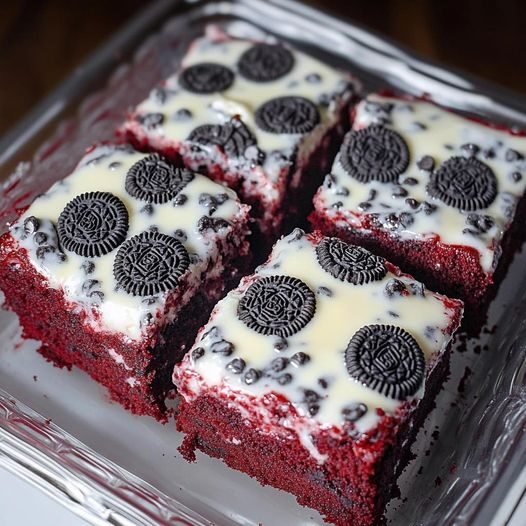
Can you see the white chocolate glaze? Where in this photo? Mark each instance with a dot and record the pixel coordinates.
(242, 99)
(104, 169)
(339, 314)
(430, 131)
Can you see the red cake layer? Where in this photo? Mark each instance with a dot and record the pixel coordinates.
(451, 269)
(351, 487)
(67, 339)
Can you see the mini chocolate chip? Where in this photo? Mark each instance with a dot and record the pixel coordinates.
(406, 219)
(470, 149)
(516, 176)
(281, 344)
(411, 181)
(313, 78)
(337, 204)
(182, 115)
(180, 200)
(413, 203)
(372, 194)
(158, 95)
(428, 208)
(147, 209)
(313, 409)
(429, 332)
(513, 155)
(180, 235)
(89, 284)
(343, 190)
(221, 198)
(311, 396)
(149, 301)
(395, 287)
(197, 353)
(299, 358)
(252, 376)
(323, 383)
(114, 165)
(151, 120)
(97, 295)
(489, 153)
(364, 206)
(284, 379)
(278, 364)
(223, 347)
(393, 314)
(354, 411)
(236, 366)
(296, 234)
(213, 332)
(209, 223)
(324, 291)
(417, 289)
(88, 266)
(40, 238)
(31, 225)
(449, 147)
(419, 126)
(329, 181)
(399, 191)
(426, 163)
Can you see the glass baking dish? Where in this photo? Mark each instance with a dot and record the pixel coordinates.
(59, 430)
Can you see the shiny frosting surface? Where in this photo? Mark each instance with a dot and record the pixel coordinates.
(89, 282)
(308, 368)
(405, 206)
(178, 112)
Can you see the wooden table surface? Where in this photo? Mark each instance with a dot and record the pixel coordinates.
(41, 41)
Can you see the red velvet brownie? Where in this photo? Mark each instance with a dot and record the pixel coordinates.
(116, 267)
(262, 118)
(430, 190)
(315, 374)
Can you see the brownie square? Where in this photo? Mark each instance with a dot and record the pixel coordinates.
(262, 118)
(316, 373)
(116, 267)
(433, 191)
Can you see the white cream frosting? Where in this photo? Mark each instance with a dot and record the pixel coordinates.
(324, 339)
(242, 99)
(104, 169)
(430, 130)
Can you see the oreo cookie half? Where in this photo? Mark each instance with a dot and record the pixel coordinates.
(387, 359)
(349, 262)
(277, 305)
(206, 77)
(374, 153)
(265, 62)
(287, 115)
(154, 180)
(150, 263)
(233, 137)
(464, 183)
(93, 224)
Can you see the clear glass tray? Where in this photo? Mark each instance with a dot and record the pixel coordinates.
(115, 468)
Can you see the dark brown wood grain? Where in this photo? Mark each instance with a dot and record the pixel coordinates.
(41, 42)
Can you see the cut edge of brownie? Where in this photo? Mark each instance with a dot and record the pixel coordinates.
(67, 338)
